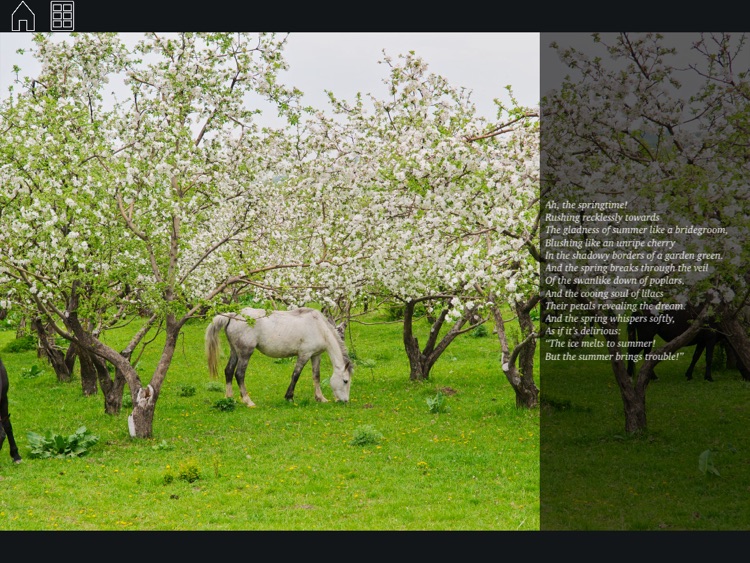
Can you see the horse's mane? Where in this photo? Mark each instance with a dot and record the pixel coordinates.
(340, 341)
(342, 344)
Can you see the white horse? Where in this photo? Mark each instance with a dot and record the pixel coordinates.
(303, 332)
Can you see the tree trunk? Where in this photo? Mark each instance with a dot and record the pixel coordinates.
(421, 361)
(419, 364)
(521, 377)
(88, 373)
(48, 349)
(95, 374)
(113, 392)
(112, 389)
(632, 393)
(70, 357)
(635, 411)
(141, 420)
(738, 342)
(527, 395)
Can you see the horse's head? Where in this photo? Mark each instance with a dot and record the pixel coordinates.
(341, 380)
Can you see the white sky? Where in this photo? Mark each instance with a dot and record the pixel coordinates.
(347, 63)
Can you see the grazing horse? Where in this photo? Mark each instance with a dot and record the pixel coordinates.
(5, 427)
(645, 331)
(304, 333)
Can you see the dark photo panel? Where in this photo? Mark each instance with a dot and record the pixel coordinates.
(645, 358)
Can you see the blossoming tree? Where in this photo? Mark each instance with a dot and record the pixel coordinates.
(660, 134)
(425, 204)
(152, 204)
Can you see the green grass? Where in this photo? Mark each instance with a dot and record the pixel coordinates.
(283, 466)
(594, 477)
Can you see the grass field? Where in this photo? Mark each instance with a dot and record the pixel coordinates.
(594, 477)
(283, 466)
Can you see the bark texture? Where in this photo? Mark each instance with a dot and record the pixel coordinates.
(421, 360)
(49, 350)
(518, 363)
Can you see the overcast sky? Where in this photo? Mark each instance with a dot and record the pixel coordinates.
(347, 63)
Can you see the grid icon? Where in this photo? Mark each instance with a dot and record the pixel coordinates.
(61, 15)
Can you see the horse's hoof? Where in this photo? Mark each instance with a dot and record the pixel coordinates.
(19, 460)
(709, 379)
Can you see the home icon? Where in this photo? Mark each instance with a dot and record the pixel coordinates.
(22, 18)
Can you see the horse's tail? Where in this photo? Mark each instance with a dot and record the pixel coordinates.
(212, 343)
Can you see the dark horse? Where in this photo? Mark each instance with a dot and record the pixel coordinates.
(5, 427)
(645, 331)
